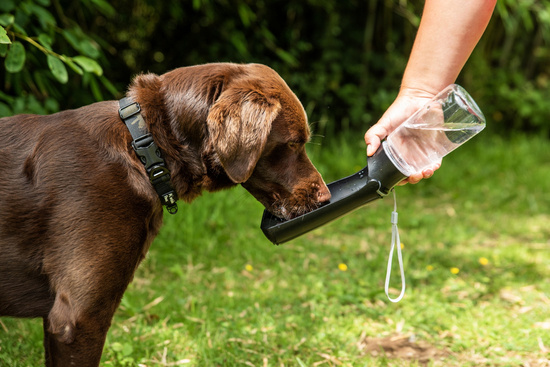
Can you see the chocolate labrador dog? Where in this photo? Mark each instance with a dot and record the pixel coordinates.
(79, 208)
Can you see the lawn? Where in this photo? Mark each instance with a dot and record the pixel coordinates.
(214, 292)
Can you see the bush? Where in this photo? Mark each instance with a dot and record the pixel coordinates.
(49, 58)
(343, 59)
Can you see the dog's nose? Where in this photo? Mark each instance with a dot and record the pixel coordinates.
(323, 194)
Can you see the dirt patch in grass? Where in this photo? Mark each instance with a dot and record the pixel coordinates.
(404, 347)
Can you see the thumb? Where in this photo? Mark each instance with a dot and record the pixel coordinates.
(373, 138)
(372, 147)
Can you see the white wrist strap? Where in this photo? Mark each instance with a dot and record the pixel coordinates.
(395, 243)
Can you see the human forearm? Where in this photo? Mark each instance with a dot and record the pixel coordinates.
(449, 30)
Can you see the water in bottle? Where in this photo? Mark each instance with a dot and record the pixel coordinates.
(450, 119)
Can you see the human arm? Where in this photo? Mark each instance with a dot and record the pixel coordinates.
(448, 32)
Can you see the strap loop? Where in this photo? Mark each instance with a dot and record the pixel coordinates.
(395, 242)
(128, 110)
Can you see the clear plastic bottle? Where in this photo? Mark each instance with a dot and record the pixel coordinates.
(446, 122)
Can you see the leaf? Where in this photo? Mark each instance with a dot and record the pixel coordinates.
(15, 60)
(43, 80)
(3, 49)
(19, 105)
(6, 19)
(88, 65)
(246, 14)
(71, 37)
(69, 61)
(80, 42)
(127, 349)
(117, 347)
(104, 7)
(238, 40)
(51, 105)
(17, 28)
(88, 48)
(110, 87)
(7, 5)
(286, 57)
(4, 39)
(58, 69)
(45, 41)
(45, 18)
(5, 110)
(96, 91)
(7, 98)
(33, 105)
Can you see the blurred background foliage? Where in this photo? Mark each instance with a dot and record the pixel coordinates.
(344, 59)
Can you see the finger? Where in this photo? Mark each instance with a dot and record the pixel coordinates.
(372, 148)
(414, 179)
(376, 132)
(373, 142)
(427, 173)
(373, 137)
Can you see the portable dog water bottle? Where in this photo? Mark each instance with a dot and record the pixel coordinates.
(446, 122)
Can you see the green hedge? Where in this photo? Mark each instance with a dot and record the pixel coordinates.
(344, 59)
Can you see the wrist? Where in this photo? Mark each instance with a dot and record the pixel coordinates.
(420, 90)
(414, 97)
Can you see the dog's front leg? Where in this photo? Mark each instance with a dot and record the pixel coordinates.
(88, 287)
(74, 341)
(83, 351)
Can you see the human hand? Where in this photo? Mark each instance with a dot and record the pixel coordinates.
(405, 105)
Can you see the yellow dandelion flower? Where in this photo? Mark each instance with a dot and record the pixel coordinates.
(342, 267)
(248, 267)
(483, 261)
(429, 268)
(455, 270)
(402, 246)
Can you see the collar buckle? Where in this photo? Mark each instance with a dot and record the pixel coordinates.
(147, 151)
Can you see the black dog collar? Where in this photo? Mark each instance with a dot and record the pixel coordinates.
(148, 152)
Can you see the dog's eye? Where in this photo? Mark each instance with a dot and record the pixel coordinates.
(293, 145)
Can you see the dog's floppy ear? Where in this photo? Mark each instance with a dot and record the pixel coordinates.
(239, 123)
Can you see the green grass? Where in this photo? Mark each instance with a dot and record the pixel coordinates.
(214, 292)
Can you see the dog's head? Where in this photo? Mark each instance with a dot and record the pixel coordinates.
(259, 130)
(255, 134)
